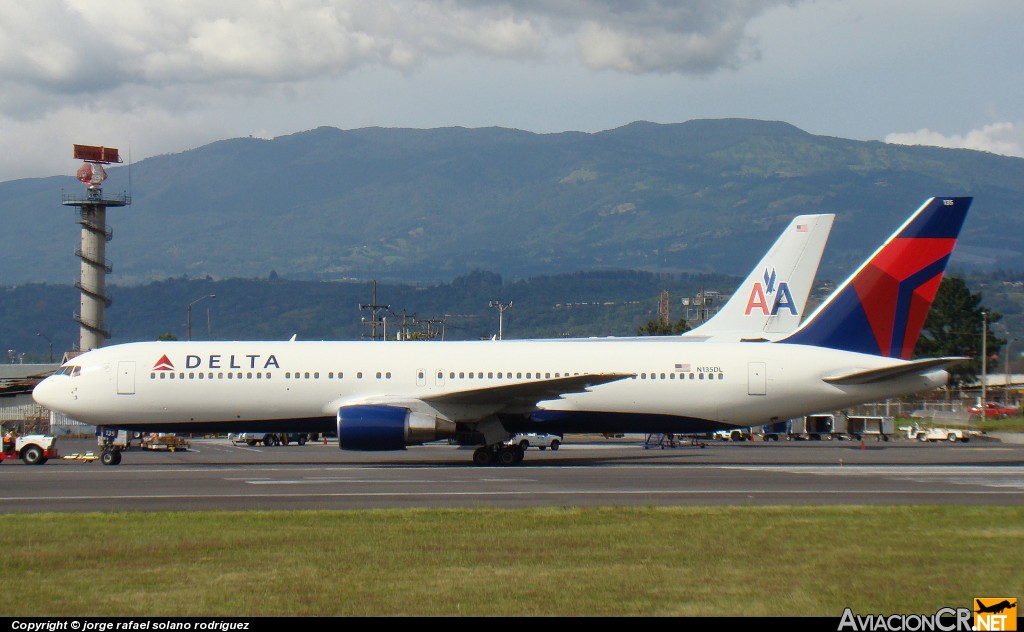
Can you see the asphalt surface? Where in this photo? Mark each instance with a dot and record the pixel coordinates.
(216, 475)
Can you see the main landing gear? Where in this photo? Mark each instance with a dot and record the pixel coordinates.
(499, 455)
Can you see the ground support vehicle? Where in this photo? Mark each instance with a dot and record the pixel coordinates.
(268, 439)
(775, 431)
(88, 457)
(33, 449)
(169, 442)
(670, 440)
(925, 435)
(819, 426)
(860, 427)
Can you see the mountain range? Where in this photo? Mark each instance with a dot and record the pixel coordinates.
(425, 206)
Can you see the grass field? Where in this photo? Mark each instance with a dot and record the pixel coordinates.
(561, 561)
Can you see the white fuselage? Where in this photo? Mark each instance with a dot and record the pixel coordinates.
(701, 386)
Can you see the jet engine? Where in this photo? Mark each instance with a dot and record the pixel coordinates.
(374, 427)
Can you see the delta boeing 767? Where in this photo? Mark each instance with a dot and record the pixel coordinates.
(855, 348)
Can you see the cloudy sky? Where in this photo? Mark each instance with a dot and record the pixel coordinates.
(163, 76)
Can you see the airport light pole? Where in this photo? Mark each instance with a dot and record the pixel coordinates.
(1006, 391)
(501, 307)
(984, 364)
(49, 342)
(189, 320)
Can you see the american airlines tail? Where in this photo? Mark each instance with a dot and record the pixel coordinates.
(770, 302)
(881, 308)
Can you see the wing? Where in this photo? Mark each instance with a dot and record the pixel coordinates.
(526, 395)
(476, 403)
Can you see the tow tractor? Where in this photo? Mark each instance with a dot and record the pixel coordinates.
(925, 435)
(33, 449)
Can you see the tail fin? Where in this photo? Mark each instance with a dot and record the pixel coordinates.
(882, 307)
(772, 299)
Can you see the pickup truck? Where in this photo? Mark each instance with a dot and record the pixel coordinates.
(994, 410)
(731, 434)
(535, 439)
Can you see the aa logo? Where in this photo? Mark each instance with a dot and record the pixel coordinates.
(761, 297)
(994, 614)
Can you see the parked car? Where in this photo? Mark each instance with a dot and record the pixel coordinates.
(536, 440)
(994, 410)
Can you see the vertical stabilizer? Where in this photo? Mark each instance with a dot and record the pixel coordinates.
(882, 307)
(771, 301)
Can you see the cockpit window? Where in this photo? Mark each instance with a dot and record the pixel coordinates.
(70, 370)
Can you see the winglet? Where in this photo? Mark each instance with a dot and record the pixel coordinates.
(882, 307)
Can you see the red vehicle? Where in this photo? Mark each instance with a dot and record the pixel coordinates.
(994, 410)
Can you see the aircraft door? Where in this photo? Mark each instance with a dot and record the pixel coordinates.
(757, 378)
(421, 377)
(439, 373)
(126, 378)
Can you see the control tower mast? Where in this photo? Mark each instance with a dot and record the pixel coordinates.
(92, 209)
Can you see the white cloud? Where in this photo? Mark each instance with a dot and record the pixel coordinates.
(75, 49)
(75, 68)
(1006, 139)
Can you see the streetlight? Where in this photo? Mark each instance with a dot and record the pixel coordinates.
(49, 342)
(1006, 392)
(984, 364)
(501, 307)
(190, 312)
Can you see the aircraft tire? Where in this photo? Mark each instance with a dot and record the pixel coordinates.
(484, 456)
(510, 455)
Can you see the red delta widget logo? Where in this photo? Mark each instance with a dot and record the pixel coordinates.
(761, 298)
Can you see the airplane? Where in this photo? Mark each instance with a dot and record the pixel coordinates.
(390, 395)
(995, 608)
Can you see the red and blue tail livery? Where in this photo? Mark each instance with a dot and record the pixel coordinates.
(882, 307)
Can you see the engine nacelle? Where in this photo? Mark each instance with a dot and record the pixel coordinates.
(373, 427)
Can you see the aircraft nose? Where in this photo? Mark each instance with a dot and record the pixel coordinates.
(46, 394)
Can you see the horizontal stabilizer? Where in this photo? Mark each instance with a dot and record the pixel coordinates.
(871, 376)
(527, 393)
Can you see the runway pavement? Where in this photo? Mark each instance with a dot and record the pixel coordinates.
(215, 474)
